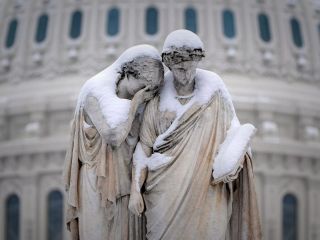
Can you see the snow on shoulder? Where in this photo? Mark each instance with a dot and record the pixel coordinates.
(206, 85)
(182, 38)
(143, 50)
(103, 86)
(236, 143)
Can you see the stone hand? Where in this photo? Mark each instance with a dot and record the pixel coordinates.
(144, 95)
(136, 204)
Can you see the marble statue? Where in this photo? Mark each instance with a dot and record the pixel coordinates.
(104, 134)
(193, 158)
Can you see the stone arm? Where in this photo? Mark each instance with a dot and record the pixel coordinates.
(113, 136)
(136, 203)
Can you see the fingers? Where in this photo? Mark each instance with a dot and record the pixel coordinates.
(147, 88)
(137, 212)
(134, 208)
(136, 204)
(141, 206)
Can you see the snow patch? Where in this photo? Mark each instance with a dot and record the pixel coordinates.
(182, 38)
(233, 148)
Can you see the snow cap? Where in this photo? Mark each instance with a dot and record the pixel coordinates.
(182, 38)
(138, 51)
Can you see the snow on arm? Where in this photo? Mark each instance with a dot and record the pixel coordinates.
(233, 148)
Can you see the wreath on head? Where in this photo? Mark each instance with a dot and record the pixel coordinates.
(183, 54)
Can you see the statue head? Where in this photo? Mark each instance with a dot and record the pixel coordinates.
(182, 51)
(140, 66)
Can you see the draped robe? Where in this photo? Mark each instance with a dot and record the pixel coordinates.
(183, 201)
(98, 181)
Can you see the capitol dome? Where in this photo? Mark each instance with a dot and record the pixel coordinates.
(267, 52)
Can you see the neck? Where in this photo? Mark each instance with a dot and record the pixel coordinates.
(184, 88)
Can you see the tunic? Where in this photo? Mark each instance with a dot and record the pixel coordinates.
(182, 199)
(98, 179)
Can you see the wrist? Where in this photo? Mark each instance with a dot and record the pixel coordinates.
(135, 188)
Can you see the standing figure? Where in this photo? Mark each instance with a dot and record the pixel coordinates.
(104, 134)
(193, 156)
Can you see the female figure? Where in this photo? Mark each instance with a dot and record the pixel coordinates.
(104, 134)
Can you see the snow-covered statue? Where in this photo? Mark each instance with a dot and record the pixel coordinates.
(193, 156)
(104, 135)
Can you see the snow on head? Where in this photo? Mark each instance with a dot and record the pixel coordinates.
(143, 50)
(182, 38)
(103, 85)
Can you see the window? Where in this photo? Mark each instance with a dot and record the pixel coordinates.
(229, 28)
(190, 19)
(151, 21)
(12, 227)
(11, 33)
(296, 33)
(289, 217)
(41, 32)
(113, 22)
(319, 31)
(264, 27)
(55, 216)
(76, 22)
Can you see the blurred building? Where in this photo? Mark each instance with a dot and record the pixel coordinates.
(267, 52)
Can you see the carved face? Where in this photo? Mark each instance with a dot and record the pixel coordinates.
(184, 72)
(134, 84)
(146, 72)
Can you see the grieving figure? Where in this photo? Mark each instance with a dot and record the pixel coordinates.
(193, 156)
(104, 134)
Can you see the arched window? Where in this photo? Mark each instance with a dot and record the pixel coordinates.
(190, 19)
(55, 216)
(12, 221)
(151, 21)
(289, 217)
(319, 31)
(42, 26)
(11, 33)
(112, 24)
(264, 27)
(296, 33)
(75, 26)
(229, 28)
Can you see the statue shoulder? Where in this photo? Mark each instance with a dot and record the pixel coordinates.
(90, 102)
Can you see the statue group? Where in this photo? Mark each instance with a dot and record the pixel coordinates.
(159, 156)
